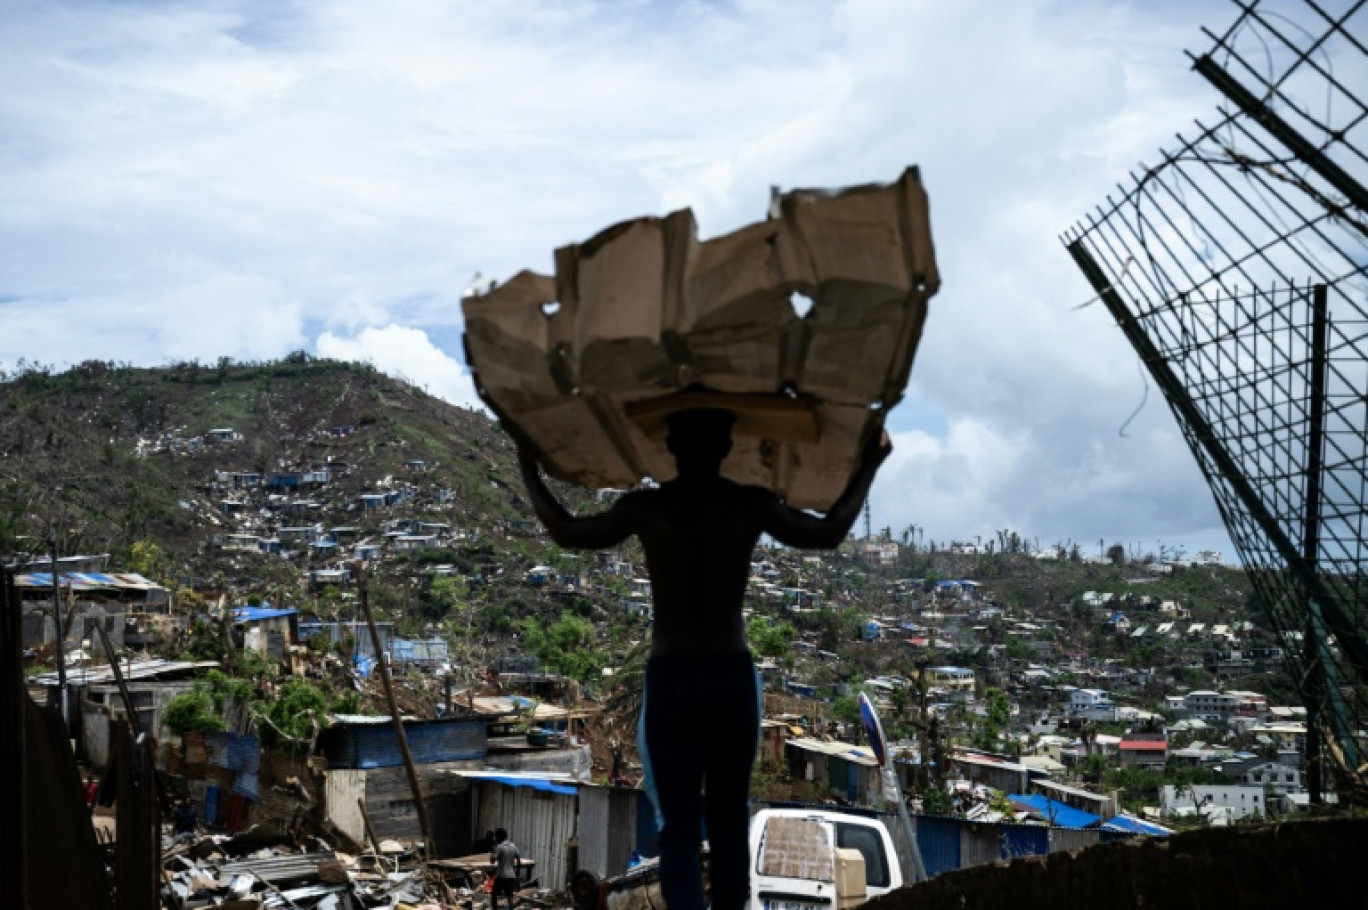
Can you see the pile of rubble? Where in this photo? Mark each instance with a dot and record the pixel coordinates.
(257, 869)
(254, 869)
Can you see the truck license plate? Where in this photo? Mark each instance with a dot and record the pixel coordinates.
(795, 905)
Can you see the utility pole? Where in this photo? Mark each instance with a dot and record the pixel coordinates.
(866, 518)
(61, 634)
(398, 721)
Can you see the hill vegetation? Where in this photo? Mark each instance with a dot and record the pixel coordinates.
(113, 459)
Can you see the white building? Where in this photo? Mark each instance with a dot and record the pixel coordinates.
(1220, 707)
(1212, 707)
(1092, 703)
(1276, 776)
(1221, 804)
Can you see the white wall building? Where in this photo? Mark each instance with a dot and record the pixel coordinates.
(1091, 703)
(1222, 804)
(1212, 707)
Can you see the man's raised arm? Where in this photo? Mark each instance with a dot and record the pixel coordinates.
(592, 532)
(795, 528)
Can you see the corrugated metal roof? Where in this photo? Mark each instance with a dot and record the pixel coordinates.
(1129, 824)
(86, 581)
(1071, 791)
(856, 754)
(987, 761)
(372, 745)
(137, 670)
(277, 869)
(542, 824)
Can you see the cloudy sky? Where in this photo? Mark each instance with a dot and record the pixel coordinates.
(195, 180)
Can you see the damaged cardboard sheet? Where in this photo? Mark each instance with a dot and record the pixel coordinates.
(644, 319)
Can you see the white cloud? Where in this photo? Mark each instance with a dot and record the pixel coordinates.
(187, 182)
(408, 354)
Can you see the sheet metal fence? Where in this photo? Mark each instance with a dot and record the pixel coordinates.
(540, 823)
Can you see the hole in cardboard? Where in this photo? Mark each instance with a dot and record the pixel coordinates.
(801, 303)
(550, 308)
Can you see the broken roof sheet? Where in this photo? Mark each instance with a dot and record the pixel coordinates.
(86, 581)
(136, 670)
(1129, 824)
(857, 754)
(643, 319)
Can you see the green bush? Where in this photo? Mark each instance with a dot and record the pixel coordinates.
(566, 646)
(192, 712)
(299, 710)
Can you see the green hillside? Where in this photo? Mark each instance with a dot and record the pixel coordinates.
(101, 455)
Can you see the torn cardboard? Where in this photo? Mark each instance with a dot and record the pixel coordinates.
(643, 319)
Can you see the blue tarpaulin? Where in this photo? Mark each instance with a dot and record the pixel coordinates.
(211, 794)
(536, 784)
(234, 751)
(256, 614)
(246, 784)
(1055, 813)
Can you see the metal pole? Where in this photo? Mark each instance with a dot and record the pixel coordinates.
(395, 718)
(1315, 682)
(61, 635)
(1283, 131)
(13, 790)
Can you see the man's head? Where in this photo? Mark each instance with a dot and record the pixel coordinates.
(700, 439)
(500, 835)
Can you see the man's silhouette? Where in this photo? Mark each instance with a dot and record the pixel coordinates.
(701, 708)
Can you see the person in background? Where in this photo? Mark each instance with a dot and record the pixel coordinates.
(485, 844)
(183, 820)
(505, 859)
(699, 531)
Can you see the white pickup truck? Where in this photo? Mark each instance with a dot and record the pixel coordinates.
(802, 859)
(805, 859)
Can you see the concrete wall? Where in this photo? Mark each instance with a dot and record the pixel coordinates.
(1300, 864)
(101, 704)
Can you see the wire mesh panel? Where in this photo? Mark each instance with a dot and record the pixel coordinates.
(1238, 269)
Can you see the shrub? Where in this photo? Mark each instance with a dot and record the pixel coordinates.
(192, 712)
(295, 716)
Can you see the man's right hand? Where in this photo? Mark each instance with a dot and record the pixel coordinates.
(879, 447)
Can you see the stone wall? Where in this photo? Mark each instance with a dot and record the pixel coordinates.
(1267, 866)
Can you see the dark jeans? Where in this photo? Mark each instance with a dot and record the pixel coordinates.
(508, 887)
(699, 727)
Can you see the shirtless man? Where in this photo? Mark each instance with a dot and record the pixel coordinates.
(700, 715)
